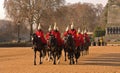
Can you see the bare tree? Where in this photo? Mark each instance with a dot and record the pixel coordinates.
(31, 10)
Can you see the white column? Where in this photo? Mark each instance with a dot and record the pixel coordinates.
(111, 30)
(114, 30)
(118, 30)
(106, 30)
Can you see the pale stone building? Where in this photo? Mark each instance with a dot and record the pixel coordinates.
(113, 22)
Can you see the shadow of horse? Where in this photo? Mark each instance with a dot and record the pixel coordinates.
(109, 59)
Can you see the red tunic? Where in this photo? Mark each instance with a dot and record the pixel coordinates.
(65, 33)
(87, 37)
(74, 34)
(40, 33)
(57, 36)
(80, 40)
(48, 35)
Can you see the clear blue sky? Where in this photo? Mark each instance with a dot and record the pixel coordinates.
(2, 12)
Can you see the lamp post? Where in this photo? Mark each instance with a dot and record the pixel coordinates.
(18, 31)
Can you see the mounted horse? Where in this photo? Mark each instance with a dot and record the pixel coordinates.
(55, 51)
(77, 51)
(38, 46)
(86, 46)
(69, 46)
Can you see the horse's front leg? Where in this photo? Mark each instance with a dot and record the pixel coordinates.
(87, 50)
(34, 57)
(58, 57)
(65, 54)
(54, 57)
(71, 57)
(49, 56)
(83, 48)
(40, 57)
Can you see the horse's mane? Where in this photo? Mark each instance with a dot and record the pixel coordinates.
(69, 40)
(36, 40)
(52, 40)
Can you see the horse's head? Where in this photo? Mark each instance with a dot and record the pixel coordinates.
(69, 40)
(85, 40)
(52, 40)
(36, 39)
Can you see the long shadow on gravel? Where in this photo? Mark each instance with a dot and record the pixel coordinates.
(111, 59)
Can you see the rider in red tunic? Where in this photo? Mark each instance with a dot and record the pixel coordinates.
(73, 32)
(66, 32)
(86, 36)
(48, 33)
(80, 40)
(40, 34)
(57, 34)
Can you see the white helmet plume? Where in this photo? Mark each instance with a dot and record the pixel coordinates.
(85, 31)
(78, 30)
(55, 26)
(50, 28)
(72, 26)
(82, 32)
(57, 29)
(67, 28)
(39, 26)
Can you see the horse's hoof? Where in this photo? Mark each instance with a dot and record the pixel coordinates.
(40, 62)
(54, 63)
(73, 62)
(70, 63)
(48, 60)
(58, 61)
(34, 63)
(65, 59)
(45, 58)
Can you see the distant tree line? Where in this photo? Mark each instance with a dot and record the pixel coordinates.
(32, 12)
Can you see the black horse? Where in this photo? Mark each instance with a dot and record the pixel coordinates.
(69, 46)
(86, 46)
(82, 49)
(77, 54)
(55, 50)
(38, 46)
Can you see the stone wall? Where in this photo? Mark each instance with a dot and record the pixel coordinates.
(113, 22)
(113, 15)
